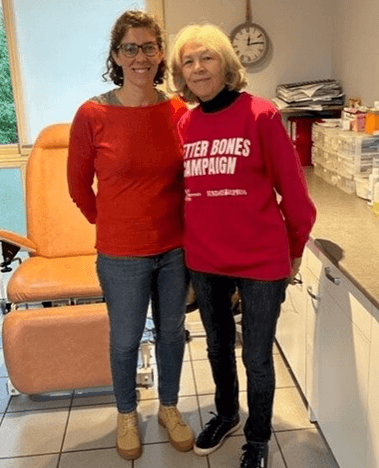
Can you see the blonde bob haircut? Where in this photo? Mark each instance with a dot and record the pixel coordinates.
(212, 38)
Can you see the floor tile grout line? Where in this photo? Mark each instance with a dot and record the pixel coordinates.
(6, 409)
(56, 408)
(95, 449)
(198, 401)
(284, 387)
(295, 429)
(65, 429)
(194, 382)
(280, 450)
(29, 456)
(197, 396)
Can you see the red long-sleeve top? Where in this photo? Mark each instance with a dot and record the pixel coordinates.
(236, 161)
(136, 157)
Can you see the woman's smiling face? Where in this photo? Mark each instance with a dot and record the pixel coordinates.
(141, 69)
(202, 70)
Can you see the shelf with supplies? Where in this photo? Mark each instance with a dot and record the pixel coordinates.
(317, 96)
(345, 159)
(327, 112)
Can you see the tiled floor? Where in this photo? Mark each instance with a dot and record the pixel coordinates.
(77, 430)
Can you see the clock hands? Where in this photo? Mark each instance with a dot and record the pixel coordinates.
(253, 43)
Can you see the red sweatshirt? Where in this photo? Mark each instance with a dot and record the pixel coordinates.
(236, 162)
(135, 154)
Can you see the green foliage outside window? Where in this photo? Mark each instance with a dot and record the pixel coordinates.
(8, 128)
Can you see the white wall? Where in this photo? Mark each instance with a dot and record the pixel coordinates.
(63, 46)
(299, 30)
(355, 46)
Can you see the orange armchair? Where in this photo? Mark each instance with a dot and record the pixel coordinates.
(63, 347)
(59, 239)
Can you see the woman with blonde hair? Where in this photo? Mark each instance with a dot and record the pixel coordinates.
(238, 232)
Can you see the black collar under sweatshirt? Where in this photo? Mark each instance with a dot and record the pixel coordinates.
(223, 99)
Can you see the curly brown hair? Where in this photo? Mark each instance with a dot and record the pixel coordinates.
(132, 19)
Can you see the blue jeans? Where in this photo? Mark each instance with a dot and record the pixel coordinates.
(128, 283)
(261, 302)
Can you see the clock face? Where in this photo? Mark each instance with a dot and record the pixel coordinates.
(250, 43)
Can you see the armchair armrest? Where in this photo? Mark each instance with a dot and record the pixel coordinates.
(17, 240)
(11, 243)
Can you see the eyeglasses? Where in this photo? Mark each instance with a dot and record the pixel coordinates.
(131, 49)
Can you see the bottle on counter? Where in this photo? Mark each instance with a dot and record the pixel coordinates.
(372, 119)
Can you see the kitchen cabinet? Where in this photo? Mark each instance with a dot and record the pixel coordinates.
(291, 328)
(342, 384)
(337, 348)
(373, 400)
(341, 356)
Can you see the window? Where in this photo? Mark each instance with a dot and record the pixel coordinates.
(8, 127)
(67, 57)
(12, 151)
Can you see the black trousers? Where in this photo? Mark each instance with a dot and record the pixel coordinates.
(261, 301)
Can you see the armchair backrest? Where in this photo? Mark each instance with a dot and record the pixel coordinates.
(54, 222)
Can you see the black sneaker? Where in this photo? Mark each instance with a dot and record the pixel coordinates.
(254, 456)
(214, 434)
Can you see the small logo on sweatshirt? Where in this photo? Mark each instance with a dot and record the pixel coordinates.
(189, 195)
(226, 193)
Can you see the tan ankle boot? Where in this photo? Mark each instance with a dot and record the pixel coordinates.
(179, 432)
(128, 437)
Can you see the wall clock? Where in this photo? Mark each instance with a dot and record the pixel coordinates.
(250, 41)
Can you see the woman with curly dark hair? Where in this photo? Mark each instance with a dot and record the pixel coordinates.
(127, 139)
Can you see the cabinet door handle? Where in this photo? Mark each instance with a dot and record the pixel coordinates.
(314, 296)
(334, 279)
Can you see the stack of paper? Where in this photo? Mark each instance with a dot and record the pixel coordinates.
(316, 95)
